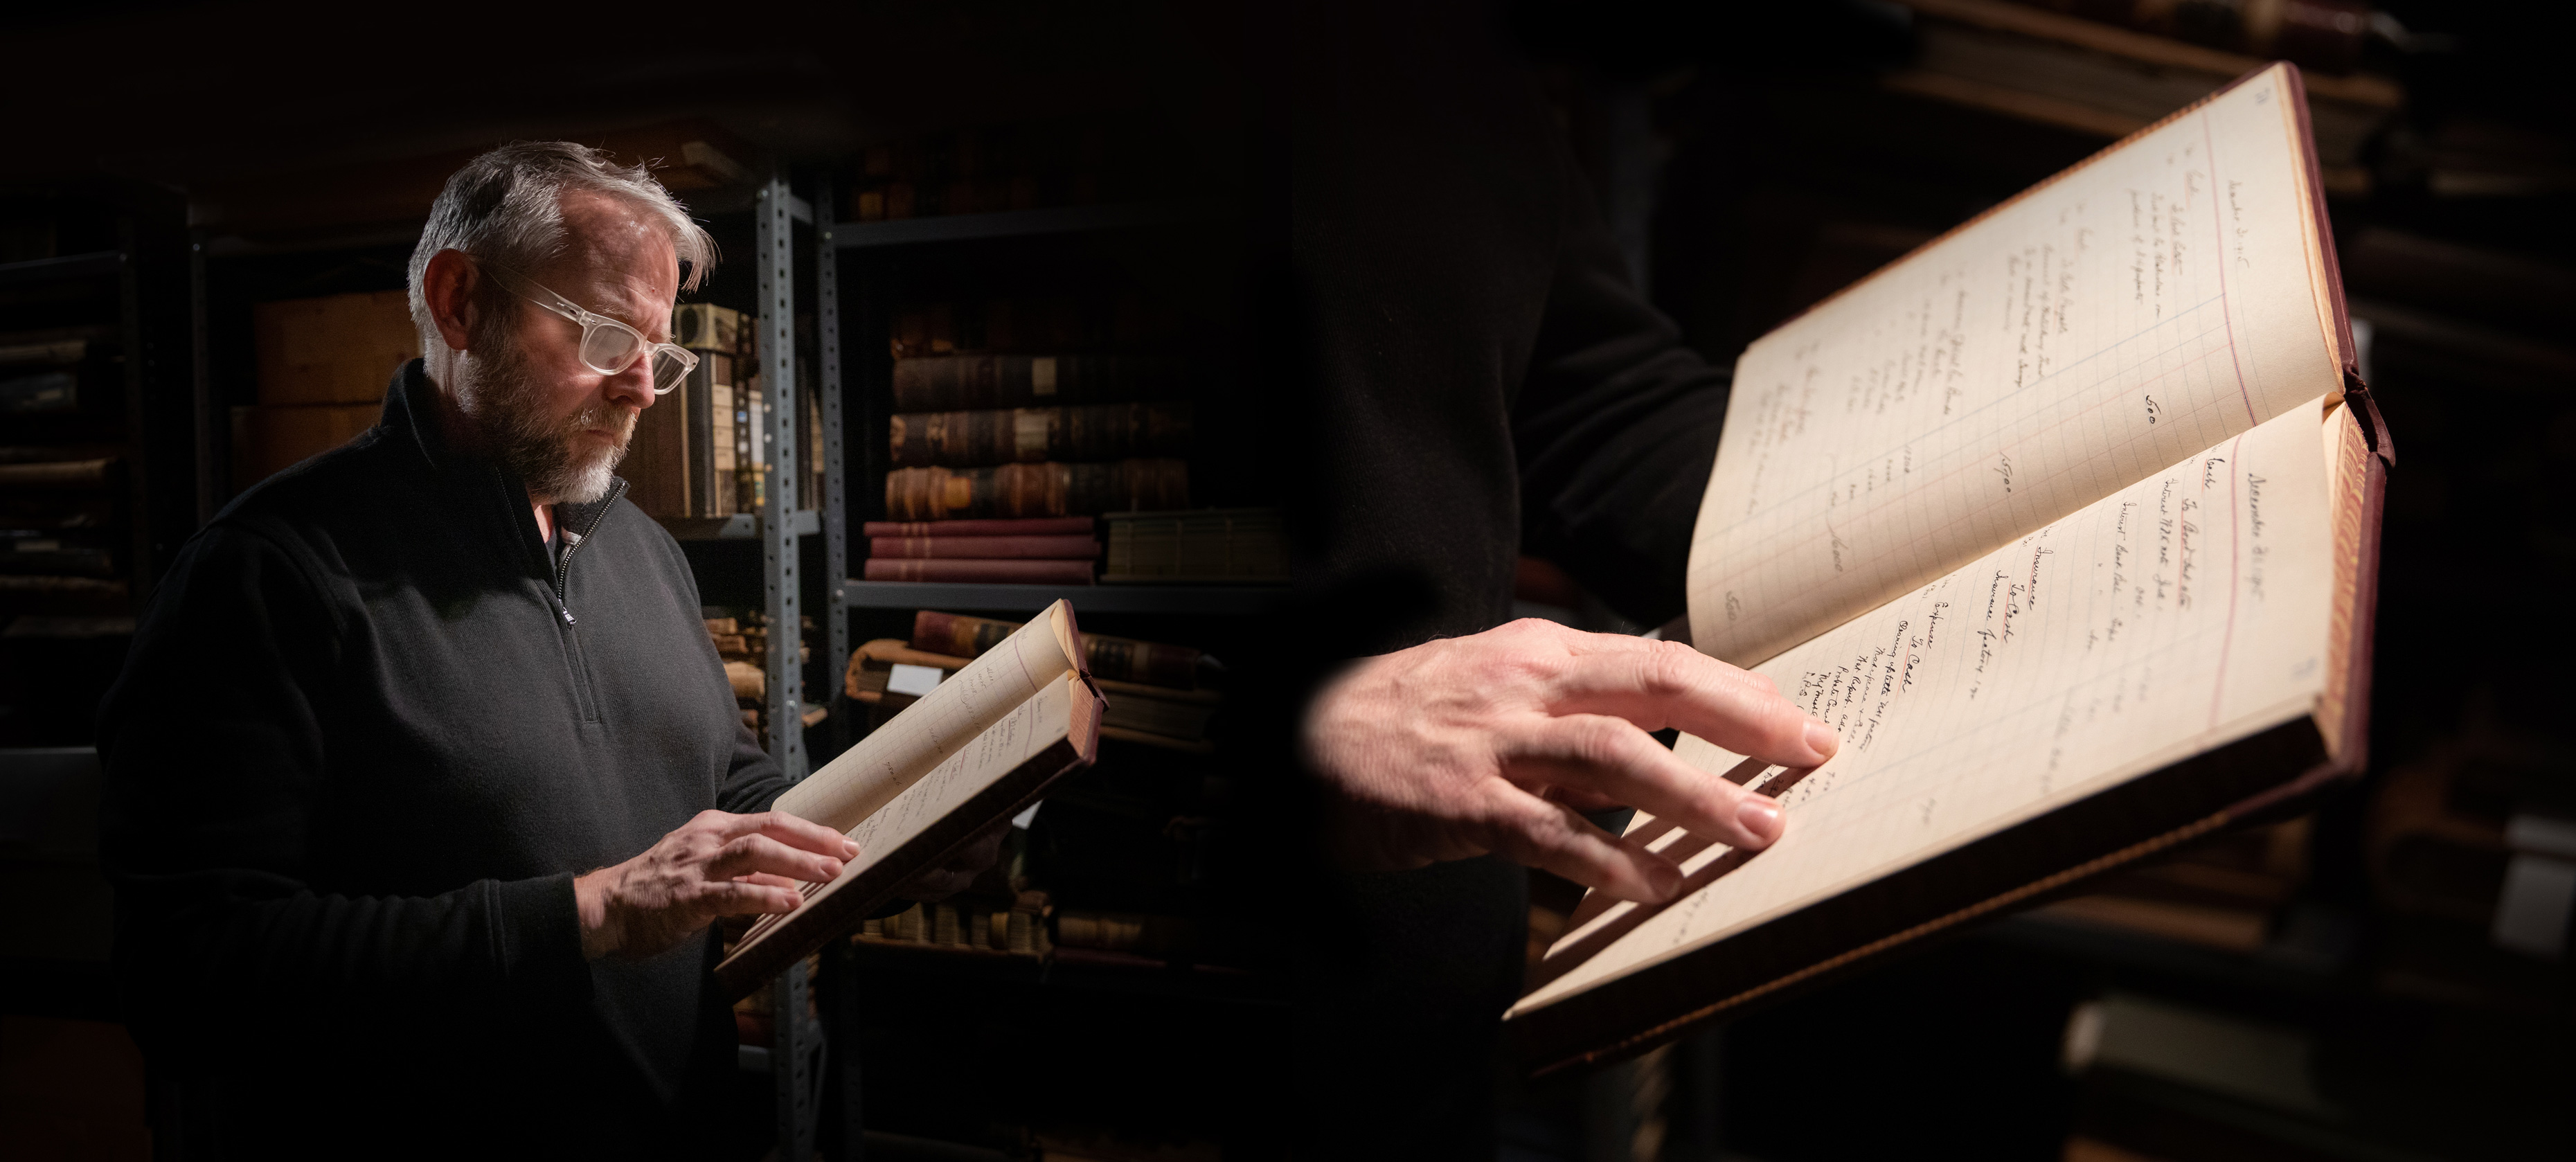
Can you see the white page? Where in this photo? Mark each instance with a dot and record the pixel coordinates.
(872, 773)
(1005, 744)
(2123, 316)
(2182, 612)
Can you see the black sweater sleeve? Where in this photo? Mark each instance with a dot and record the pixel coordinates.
(752, 779)
(1615, 427)
(215, 754)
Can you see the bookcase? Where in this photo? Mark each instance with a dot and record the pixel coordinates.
(97, 480)
(1072, 1005)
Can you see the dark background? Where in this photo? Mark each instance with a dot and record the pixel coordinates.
(1752, 161)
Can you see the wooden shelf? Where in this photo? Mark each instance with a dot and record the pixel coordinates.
(69, 266)
(1193, 600)
(1019, 223)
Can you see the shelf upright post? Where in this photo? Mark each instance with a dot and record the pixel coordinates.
(778, 542)
(139, 412)
(795, 1043)
(833, 507)
(212, 425)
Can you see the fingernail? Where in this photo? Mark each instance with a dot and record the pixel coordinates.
(1666, 880)
(1761, 816)
(850, 848)
(1820, 739)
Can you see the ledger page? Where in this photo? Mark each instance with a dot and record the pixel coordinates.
(1011, 740)
(872, 773)
(2182, 612)
(2153, 302)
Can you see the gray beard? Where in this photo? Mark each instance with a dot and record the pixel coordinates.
(507, 405)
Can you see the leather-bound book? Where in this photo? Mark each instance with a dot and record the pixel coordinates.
(2067, 524)
(1113, 431)
(1043, 526)
(970, 548)
(972, 752)
(1034, 490)
(1116, 658)
(937, 383)
(989, 571)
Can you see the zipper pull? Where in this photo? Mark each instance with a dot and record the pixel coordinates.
(567, 615)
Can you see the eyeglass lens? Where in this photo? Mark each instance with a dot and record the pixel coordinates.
(609, 349)
(668, 369)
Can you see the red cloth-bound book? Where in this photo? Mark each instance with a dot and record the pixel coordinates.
(1036, 526)
(1021, 572)
(985, 548)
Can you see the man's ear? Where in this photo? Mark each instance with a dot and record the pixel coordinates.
(449, 287)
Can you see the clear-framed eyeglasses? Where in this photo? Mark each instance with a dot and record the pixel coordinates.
(608, 347)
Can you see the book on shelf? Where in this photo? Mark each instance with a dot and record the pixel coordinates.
(1034, 325)
(973, 751)
(683, 459)
(1061, 548)
(942, 383)
(967, 926)
(995, 571)
(1039, 526)
(2324, 35)
(39, 392)
(1051, 489)
(2067, 525)
(974, 439)
(1115, 658)
(1236, 545)
(1135, 711)
(2022, 62)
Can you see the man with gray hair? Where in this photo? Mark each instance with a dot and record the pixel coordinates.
(424, 780)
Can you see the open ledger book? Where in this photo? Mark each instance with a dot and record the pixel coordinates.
(980, 747)
(2067, 524)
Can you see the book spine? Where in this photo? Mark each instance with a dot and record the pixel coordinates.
(1008, 572)
(957, 635)
(1046, 526)
(1032, 435)
(1028, 490)
(1056, 548)
(1151, 663)
(939, 383)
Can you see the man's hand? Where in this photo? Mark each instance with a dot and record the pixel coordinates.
(1491, 743)
(717, 865)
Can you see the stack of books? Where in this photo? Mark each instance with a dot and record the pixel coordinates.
(1159, 695)
(1005, 445)
(742, 641)
(1035, 551)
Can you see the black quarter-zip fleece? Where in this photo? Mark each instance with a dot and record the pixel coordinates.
(369, 731)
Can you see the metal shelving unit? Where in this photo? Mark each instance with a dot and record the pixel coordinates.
(1191, 601)
(797, 1059)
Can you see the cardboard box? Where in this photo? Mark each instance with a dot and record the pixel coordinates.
(342, 349)
(268, 439)
(704, 327)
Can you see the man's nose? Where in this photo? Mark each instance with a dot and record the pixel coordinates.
(632, 387)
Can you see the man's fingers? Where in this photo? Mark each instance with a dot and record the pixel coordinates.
(1612, 757)
(1666, 684)
(1527, 829)
(744, 898)
(788, 829)
(760, 853)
